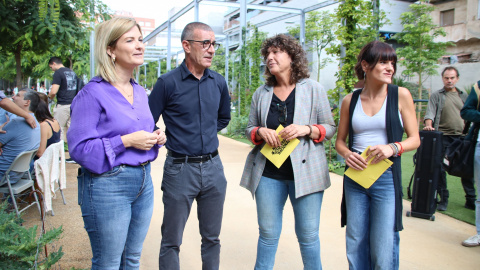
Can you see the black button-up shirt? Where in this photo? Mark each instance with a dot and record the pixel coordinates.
(193, 110)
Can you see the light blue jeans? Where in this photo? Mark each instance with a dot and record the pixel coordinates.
(371, 240)
(271, 196)
(476, 176)
(116, 207)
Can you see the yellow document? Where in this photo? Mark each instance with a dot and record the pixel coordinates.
(369, 175)
(278, 155)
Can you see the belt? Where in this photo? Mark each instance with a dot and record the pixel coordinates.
(144, 163)
(181, 158)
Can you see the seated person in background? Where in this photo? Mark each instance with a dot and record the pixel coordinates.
(9, 106)
(49, 127)
(19, 136)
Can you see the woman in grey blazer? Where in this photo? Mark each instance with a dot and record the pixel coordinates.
(299, 104)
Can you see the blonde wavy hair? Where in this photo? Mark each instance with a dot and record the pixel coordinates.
(107, 34)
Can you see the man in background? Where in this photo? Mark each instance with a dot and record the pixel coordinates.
(64, 86)
(19, 136)
(443, 114)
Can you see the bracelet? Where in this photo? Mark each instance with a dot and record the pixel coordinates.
(401, 148)
(394, 148)
(311, 130)
(257, 132)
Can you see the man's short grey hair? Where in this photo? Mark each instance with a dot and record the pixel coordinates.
(33, 97)
(187, 32)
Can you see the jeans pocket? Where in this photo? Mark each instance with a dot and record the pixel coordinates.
(172, 168)
(218, 163)
(81, 183)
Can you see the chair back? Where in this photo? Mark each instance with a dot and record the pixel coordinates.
(22, 162)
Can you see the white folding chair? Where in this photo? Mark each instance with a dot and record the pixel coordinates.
(21, 164)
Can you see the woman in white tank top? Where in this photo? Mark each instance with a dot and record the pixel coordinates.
(381, 113)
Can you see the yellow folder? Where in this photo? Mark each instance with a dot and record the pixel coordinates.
(278, 155)
(369, 175)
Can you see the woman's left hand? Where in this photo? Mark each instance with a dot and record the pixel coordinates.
(293, 131)
(162, 138)
(379, 152)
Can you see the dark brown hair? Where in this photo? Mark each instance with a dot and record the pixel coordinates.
(43, 113)
(451, 68)
(291, 46)
(372, 53)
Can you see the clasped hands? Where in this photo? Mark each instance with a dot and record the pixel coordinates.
(144, 140)
(290, 132)
(375, 153)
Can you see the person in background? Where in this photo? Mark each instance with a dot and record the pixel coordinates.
(194, 103)
(64, 87)
(10, 106)
(299, 104)
(375, 116)
(471, 113)
(19, 136)
(49, 127)
(443, 114)
(112, 138)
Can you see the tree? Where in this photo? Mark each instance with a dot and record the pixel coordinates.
(358, 26)
(22, 30)
(421, 52)
(319, 33)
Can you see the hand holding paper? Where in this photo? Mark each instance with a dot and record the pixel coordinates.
(368, 176)
(278, 155)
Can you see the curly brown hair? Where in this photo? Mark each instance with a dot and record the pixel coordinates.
(291, 46)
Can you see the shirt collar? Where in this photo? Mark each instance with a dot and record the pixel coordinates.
(186, 72)
(99, 79)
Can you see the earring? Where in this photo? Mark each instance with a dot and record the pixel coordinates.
(113, 60)
(364, 75)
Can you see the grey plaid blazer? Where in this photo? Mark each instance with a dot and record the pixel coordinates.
(309, 163)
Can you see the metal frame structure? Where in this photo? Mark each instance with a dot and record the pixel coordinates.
(243, 7)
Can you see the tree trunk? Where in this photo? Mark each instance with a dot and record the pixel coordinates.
(319, 63)
(18, 66)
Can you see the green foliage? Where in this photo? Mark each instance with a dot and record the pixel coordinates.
(236, 127)
(358, 26)
(20, 246)
(246, 68)
(421, 52)
(218, 62)
(35, 30)
(319, 33)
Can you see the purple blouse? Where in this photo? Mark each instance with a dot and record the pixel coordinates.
(100, 115)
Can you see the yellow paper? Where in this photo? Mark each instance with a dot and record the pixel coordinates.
(369, 175)
(278, 155)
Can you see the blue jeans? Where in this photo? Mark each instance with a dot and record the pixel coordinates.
(271, 196)
(182, 183)
(116, 207)
(371, 240)
(476, 176)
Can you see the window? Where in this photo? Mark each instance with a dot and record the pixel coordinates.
(447, 17)
(141, 23)
(148, 24)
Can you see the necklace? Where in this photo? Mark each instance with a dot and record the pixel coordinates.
(121, 88)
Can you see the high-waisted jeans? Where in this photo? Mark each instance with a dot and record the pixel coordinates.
(116, 207)
(372, 242)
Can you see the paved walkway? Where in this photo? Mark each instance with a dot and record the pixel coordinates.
(424, 244)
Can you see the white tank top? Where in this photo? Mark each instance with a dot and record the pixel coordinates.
(368, 130)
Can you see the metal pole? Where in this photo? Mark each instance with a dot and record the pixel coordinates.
(169, 46)
(159, 71)
(302, 30)
(195, 10)
(227, 54)
(243, 19)
(92, 41)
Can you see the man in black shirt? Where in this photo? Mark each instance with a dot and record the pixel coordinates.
(64, 86)
(194, 103)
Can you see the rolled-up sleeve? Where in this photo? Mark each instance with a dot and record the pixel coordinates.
(85, 145)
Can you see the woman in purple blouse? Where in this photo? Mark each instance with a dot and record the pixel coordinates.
(111, 136)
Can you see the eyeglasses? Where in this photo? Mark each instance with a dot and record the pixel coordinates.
(282, 108)
(207, 43)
